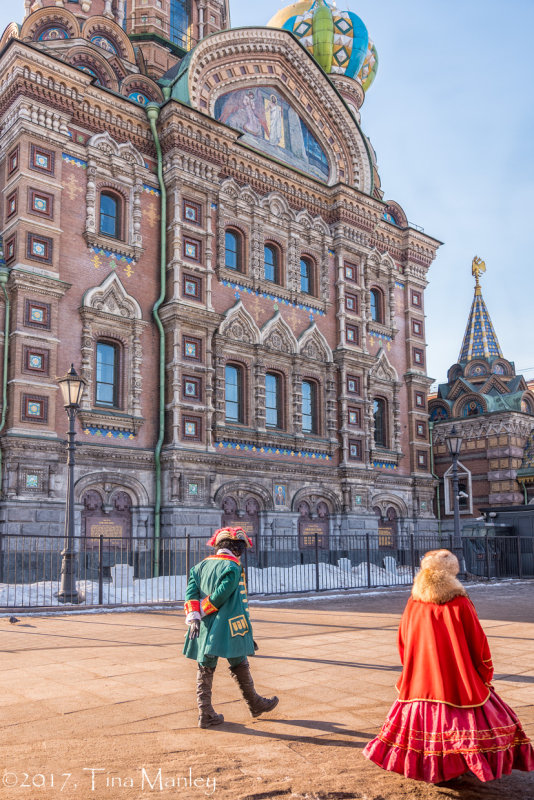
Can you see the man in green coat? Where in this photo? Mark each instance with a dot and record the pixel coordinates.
(216, 608)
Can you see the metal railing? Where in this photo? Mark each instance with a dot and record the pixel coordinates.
(113, 572)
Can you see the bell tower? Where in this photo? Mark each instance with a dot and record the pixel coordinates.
(165, 30)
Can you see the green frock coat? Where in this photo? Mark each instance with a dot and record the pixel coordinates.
(218, 585)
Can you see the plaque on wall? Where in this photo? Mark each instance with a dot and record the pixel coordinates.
(310, 530)
(109, 528)
(250, 526)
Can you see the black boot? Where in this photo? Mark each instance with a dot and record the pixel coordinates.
(256, 703)
(206, 714)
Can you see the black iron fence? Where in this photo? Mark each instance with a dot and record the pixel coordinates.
(127, 572)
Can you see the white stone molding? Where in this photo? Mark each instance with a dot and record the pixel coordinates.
(239, 325)
(277, 335)
(118, 167)
(108, 311)
(312, 344)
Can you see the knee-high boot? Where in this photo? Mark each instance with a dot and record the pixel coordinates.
(206, 713)
(256, 703)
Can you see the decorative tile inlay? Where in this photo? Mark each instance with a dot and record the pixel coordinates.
(32, 481)
(282, 301)
(35, 361)
(279, 451)
(40, 204)
(126, 262)
(34, 409)
(108, 434)
(77, 162)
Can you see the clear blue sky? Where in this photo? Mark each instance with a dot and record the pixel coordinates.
(451, 117)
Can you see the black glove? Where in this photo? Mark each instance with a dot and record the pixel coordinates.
(194, 629)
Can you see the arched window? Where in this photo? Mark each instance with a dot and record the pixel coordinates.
(380, 420)
(306, 276)
(271, 266)
(273, 400)
(110, 216)
(377, 305)
(107, 375)
(233, 393)
(233, 258)
(309, 407)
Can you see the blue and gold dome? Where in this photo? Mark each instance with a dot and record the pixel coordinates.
(338, 40)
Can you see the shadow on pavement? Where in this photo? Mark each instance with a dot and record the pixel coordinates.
(329, 728)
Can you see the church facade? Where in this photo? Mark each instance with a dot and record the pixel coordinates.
(492, 409)
(192, 216)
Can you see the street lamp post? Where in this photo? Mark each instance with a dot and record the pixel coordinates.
(454, 444)
(72, 386)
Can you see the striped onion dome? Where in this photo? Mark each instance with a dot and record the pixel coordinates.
(338, 40)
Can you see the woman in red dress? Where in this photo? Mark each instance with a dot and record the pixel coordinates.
(448, 719)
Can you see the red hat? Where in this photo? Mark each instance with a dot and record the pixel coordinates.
(235, 534)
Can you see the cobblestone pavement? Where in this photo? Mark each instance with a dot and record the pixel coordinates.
(103, 705)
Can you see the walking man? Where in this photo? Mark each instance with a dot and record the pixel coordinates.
(217, 614)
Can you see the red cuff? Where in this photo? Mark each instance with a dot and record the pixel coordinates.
(208, 607)
(192, 605)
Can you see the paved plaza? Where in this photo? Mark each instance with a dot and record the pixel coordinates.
(103, 705)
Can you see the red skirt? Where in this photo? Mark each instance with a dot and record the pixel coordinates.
(434, 742)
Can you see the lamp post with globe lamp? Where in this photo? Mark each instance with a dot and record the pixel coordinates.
(72, 386)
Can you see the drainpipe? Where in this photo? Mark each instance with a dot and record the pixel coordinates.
(4, 275)
(431, 431)
(152, 111)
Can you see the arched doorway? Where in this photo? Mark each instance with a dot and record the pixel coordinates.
(387, 528)
(113, 523)
(107, 530)
(313, 530)
(248, 519)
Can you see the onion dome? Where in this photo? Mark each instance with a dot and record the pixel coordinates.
(338, 40)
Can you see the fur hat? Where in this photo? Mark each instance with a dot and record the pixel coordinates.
(235, 534)
(436, 582)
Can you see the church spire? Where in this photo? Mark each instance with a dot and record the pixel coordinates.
(480, 340)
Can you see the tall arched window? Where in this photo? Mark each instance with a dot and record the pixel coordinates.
(271, 267)
(377, 305)
(107, 375)
(273, 400)
(380, 419)
(110, 217)
(306, 276)
(309, 407)
(233, 393)
(233, 250)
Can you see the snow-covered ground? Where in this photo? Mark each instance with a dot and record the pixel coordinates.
(271, 580)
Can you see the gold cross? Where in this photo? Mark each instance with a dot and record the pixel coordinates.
(73, 187)
(152, 215)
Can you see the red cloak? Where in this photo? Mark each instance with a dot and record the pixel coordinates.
(444, 653)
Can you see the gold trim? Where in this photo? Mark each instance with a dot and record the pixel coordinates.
(443, 702)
